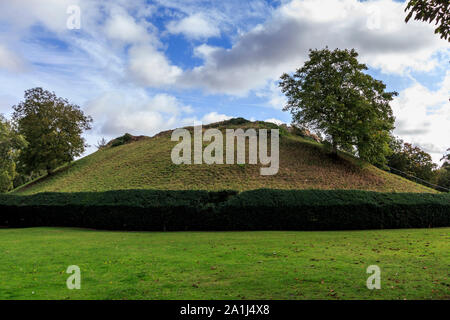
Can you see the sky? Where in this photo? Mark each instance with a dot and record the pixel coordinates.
(146, 66)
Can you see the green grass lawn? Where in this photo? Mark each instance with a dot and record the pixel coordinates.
(414, 264)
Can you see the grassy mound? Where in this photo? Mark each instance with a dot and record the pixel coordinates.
(146, 164)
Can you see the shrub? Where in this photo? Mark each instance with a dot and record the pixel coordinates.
(126, 138)
(263, 209)
(235, 121)
(267, 209)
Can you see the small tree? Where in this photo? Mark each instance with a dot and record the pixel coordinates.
(101, 143)
(332, 94)
(429, 11)
(443, 174)
(52, 127)
(411, 160)
(443, 179)
(10, 145)
(446, 159)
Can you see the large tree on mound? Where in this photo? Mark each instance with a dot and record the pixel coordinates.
(332, 94)
(52, 127)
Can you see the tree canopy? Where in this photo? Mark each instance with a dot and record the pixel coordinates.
(411, 160)
(446, 159)
(437, 11)
(52, 127)
(332, 94)
(10, 145)
(443, 174)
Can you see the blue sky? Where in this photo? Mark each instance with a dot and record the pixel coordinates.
(146, 66)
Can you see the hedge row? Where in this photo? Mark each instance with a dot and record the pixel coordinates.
(262, 209)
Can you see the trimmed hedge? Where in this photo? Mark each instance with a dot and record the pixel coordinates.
(336, 210)
(263, 209)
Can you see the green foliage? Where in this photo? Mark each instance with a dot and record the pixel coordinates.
(10, 145)
(52, 127)
(443, 174)
(446, 159)
(126, 138)
(412, 160)
(235, 121)
(23, 178)
(263, 209)
(437, 11)
(443, 178)
(306, 134)
(267, 209)
(282, 130)
(332, 94)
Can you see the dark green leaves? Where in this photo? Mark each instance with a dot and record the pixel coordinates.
(332, 94)
(10, 144)
(437, 11)
(52, 127)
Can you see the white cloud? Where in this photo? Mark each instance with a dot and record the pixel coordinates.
(214, 117)
(134, 111)
(276, 121)
(93, 68)
(137, 123)
(123, 27)
(203, 51)
(423, 117)
(53, 15)
(275, 98)
(228, 17)
(25, 13)
(11, 61)
(281, 44)
(151, 67)
(168, 104)
(196, 26)
(376, 28)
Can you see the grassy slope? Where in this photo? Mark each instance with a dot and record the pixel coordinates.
(224, 265)
(146, 164)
